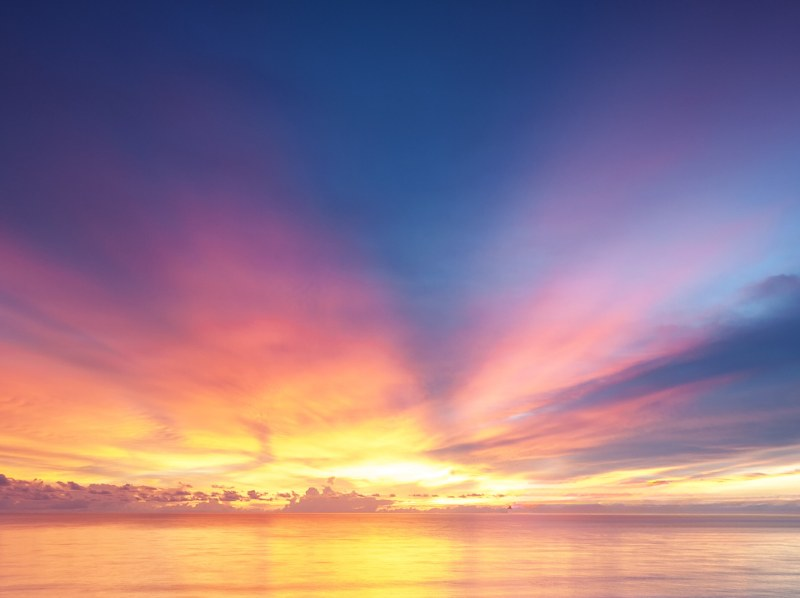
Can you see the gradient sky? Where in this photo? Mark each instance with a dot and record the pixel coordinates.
(410, 255)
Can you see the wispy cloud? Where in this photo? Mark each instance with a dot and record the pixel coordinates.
(232, 340)
(728, 394)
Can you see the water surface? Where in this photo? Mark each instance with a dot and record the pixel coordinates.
(358, 555)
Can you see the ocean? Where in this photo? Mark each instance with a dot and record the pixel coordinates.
(419, 555)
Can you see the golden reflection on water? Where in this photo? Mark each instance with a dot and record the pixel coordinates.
(288, 555)
(396, 555)
(366, 561)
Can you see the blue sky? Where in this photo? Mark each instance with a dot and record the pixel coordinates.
(539, 242)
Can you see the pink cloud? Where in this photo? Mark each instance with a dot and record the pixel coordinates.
(227, 328)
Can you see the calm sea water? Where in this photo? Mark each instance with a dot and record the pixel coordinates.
(495, 555)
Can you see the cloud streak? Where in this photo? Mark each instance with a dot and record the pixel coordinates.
(726, 396)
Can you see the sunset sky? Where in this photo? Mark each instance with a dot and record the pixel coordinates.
(410, 254)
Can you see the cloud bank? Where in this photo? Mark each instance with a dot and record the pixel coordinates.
(37, 495)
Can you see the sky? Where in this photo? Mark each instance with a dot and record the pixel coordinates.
(362, 256)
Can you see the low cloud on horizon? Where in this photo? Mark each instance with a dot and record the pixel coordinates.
(37, 495)
(26, 496)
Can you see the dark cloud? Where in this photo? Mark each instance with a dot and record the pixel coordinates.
(777, 291)
(753, 401)
(762, 347)
(736, 391)
(746, 346)
(746, 350)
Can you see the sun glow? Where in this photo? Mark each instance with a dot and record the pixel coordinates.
(401, 472)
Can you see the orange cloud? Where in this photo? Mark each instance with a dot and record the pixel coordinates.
(235, 342)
